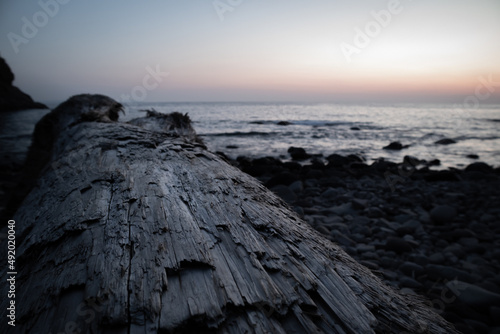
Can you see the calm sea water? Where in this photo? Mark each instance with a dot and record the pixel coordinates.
(252, 129)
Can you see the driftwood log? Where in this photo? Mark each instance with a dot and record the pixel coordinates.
(137, 228)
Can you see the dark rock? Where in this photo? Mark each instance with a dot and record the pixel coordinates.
(260, 166)
(435, 162)
(285, 178)
(244, 161)
(403, 230)
(296, 186)
(232, 147)
(283, 123)
(473, 295)
(411, 269)
(359, 204)
(463, 310)
(441, 176)
(389, 262)
(355, 128)
(330, 193)
(298, 153)
(443, 214)
(311, 183)
(341, 239)
(369, 264)
(323, 230)
(468, 242)
(358, 166)
(454, 250)
(317, 163)
(285, 193)
(292, 166)
(478, 326)
(495, 254)
(336, 160)
(445, 141)
(363, 248)
(413, 243)
(355, 158)
(472, 156)
(342, 210)
(409, 160)
(6, 75)
(451, 317)
(495, 313)
(463, 328)
(304, 202)
(461, 233)
(440, 273)
(397, 245)
(395, 146)
(336, 225)
(254, 170)
(419, 259)
(479, 167)
(389, 275)
(314, 174)
(299, 210)
(382, 165)
(437, 258)
(409, 283)
(487, 218)
(370, 255)
(375, 212)
(11, 97)
(489, 286)
(408, 227)
(266, 161)
(361, 221)
(495, 330)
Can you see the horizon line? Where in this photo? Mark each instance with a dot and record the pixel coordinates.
(364, 103)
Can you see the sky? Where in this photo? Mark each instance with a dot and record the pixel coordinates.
(255, 50)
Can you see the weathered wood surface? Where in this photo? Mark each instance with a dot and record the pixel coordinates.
(135, 229)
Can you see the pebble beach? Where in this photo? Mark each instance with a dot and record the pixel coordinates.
(434, 233)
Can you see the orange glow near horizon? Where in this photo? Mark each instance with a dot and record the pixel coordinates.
(428, 51)
(345, 83)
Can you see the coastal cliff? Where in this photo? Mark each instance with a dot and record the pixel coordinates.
(11, 97)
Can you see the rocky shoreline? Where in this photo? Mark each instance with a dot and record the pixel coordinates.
(11, 97)
(429, 232)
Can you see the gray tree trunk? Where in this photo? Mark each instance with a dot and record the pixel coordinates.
(137, 228)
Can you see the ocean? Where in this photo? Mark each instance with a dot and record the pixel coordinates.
(269, 129)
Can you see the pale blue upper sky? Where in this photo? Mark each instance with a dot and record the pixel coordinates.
(263, 50)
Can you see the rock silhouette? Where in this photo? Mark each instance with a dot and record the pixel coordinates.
(11, 97)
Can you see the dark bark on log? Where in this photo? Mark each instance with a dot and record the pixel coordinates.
(136, 228)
